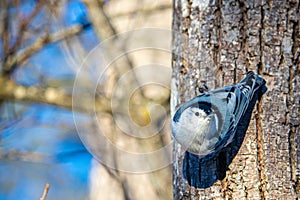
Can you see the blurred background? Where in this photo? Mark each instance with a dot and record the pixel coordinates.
(102, 56)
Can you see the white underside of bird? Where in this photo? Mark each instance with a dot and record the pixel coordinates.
(197, 137)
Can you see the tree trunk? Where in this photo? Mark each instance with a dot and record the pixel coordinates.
(218, 42)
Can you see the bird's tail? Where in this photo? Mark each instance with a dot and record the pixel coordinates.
(254, 81)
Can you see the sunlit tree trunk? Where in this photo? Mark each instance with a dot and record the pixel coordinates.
(218, 42)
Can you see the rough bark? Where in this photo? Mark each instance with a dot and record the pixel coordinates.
(218, 42)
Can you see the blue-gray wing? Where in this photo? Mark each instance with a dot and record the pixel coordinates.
(237, 102)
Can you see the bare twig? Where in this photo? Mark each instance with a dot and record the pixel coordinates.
(11, 64)
(5, 31)
(144, 11)
(27, 156)
(46, 190)
(24, 22)
(98, 19)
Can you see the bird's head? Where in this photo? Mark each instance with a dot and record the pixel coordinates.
(191, 126)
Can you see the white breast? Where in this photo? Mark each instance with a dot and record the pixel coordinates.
(191, 131)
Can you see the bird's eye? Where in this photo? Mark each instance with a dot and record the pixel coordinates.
(197, 114)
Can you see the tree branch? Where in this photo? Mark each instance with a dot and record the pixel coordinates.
(13, 61)
(105, 29)
(46, 190)
(55, 96)
(5, 32)
(144, 11)
(24, 22)
(99, 19)
(49, 95)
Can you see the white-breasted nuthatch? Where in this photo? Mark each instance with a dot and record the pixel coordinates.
(208, 122)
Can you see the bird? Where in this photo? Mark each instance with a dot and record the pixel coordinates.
(207, 123)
